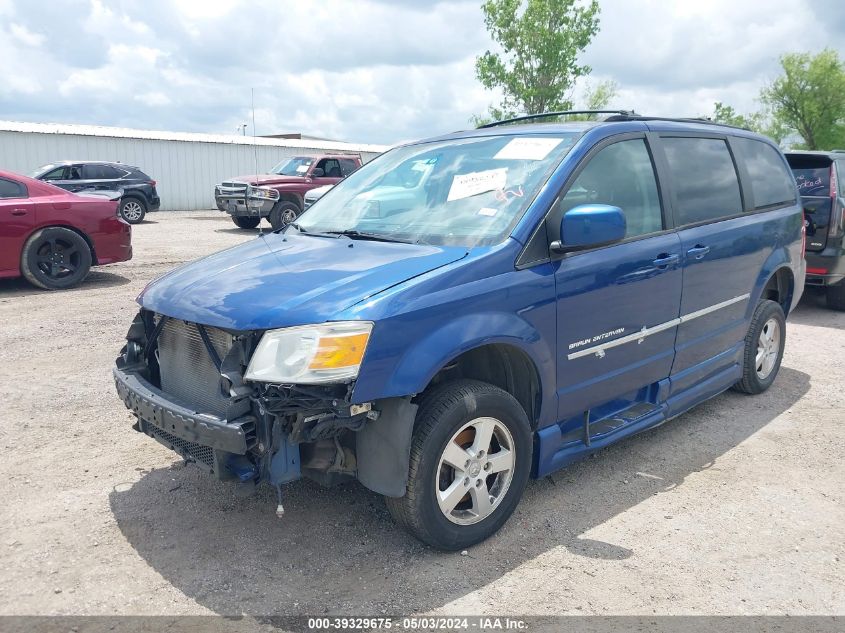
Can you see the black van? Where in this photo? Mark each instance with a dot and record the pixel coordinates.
(819, 178)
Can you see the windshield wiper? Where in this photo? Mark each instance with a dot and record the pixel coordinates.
(303, 231)
(375, 237)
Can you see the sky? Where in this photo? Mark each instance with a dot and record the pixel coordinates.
(369, 71)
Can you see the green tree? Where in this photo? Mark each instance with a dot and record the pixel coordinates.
(540, 42)
(763, 121)
(809, 98)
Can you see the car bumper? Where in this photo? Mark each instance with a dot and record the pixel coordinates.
(825, 268)
(113, 242)
(240, 206)
(154, 204)
(204, 438)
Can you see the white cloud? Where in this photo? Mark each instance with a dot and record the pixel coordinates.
(370, 70)
(25, 36)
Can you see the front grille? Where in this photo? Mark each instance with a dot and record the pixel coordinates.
(232, 187)
(186, 368)
(197, 452)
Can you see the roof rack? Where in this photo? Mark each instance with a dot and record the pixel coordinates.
(615, 115)
(545, 115)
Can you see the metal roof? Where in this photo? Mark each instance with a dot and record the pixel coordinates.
(193, 137)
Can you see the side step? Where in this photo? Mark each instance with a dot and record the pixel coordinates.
(606, 426)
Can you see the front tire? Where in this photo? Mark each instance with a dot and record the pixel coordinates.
(55, 258)
(283, 214)
(132, 210)
(470, 462)
(244, 222)
(764, 345)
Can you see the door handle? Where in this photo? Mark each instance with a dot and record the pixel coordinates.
(18, 211)
(664, 260)
(698, 251)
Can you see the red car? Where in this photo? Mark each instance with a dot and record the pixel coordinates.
(53, 237)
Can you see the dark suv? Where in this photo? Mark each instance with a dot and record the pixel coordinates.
(139, 190)
(817, 175)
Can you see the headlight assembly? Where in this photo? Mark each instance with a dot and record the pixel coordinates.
(262, 193)
(311, 354)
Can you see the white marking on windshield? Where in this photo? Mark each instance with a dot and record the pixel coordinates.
(467, 185)
(528, 148)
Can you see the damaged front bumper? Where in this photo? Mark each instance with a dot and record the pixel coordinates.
(204, 438)
(260, 432)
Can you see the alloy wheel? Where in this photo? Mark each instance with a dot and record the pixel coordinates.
(475, 471)
(132, 210)
(768, 348)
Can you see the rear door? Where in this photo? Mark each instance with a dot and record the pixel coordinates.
(102, 177)
(813, 174)
(726, 236)
(17, 218)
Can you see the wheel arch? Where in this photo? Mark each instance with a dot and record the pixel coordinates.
(779, 287)
(504, 365)
(291, 196)
(137, 196)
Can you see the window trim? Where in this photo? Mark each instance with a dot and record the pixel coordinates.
(542, 226)
(25, 195)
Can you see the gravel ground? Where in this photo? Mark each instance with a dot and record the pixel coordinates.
(734, 508)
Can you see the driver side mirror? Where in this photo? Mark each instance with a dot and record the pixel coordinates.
(317, 172)
(588, 226)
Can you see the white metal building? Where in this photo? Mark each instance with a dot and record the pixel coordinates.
(186, 166)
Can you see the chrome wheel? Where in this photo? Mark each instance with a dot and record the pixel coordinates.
(288, 216)
(132, 211)
(475, 471)
(768, 348)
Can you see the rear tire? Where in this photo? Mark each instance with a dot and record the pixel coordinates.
(473, 439)
(55, 258)
(283, 214)
(836, 296)
(132, 210)
(764, 345)
(246, 222)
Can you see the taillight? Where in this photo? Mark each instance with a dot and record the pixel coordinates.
(803, 234)
(151, 182)
(837, 219)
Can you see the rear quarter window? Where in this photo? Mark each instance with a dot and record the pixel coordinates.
(11, 189)
(771, 181)
(704, 179)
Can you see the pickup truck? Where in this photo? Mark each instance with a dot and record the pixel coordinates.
(279, 194)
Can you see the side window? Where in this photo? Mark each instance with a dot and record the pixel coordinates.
(74, 172)
(11, 189)
(55, 174)
(621, 175)
(771, 181)
(347, 166)
(704, 179)
(331, 168)
(100, 172)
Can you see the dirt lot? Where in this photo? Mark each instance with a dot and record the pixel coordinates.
(734, 508)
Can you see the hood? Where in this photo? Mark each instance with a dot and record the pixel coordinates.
(279, 280)
(268, 179)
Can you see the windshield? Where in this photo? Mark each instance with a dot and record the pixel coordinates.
(42, 169)
(293, 166)
(463, 192)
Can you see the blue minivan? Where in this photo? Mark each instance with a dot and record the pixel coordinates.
(469, 311)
